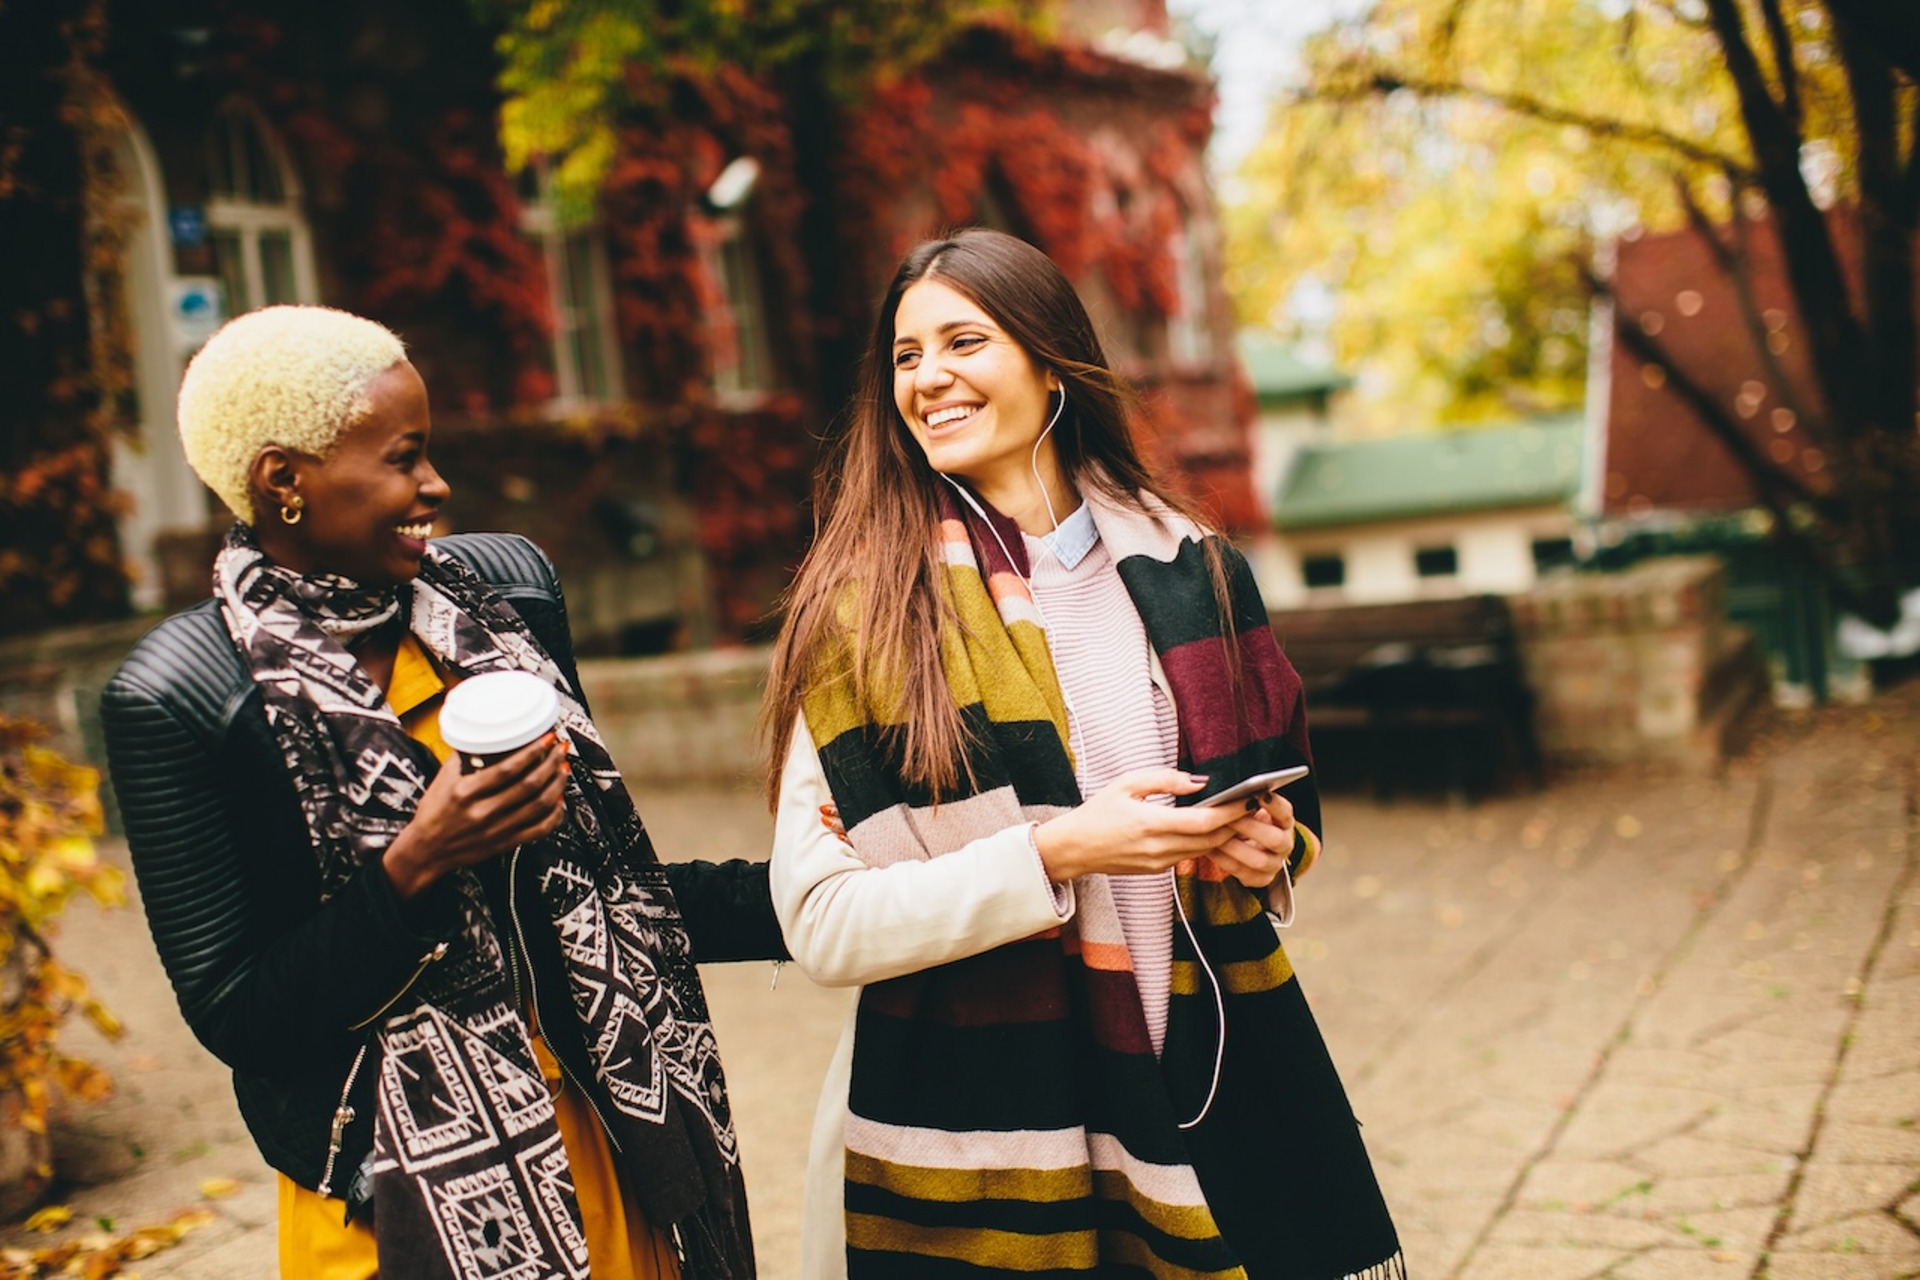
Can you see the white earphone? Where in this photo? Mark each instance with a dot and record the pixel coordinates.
(1033, 463)
(1073, 723)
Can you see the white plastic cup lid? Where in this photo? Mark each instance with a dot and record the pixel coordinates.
(498, 711)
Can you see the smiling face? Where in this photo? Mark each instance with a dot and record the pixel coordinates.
(370, 504)
(973, 398)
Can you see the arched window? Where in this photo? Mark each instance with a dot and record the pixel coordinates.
(165, 505)
(261, 247)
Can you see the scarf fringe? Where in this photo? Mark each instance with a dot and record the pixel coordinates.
(1394, 1268)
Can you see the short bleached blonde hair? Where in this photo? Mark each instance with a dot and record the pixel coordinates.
(294, 376)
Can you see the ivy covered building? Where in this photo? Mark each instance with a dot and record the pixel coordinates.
(643, 393)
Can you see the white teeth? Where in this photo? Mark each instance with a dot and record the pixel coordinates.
(953, 414)
(419, 531)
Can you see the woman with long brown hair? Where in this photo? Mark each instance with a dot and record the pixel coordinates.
(1017, 667)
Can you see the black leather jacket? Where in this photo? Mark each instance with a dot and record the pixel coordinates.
(277, 985)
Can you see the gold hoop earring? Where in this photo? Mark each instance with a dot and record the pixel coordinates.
(293, 511)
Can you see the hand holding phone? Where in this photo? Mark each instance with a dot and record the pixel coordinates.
(1258, 784)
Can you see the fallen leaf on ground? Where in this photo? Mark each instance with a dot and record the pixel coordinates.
(51, 1218)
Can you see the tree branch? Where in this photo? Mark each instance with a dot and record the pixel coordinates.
(1380, 83)
(1777, 488)
(1886, 262)
(1836, 340)
(1734, 262)
(1781, 42)
(1776, 485)
(1910, 184)
(1893, 28)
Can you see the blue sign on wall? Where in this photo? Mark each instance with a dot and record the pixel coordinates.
(189, 225)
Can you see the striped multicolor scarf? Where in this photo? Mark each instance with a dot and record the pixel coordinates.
(1006, 1112)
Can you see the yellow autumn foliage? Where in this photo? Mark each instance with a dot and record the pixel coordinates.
(98, 1255)
(49, 816)
(572, 73)
(1423, 202)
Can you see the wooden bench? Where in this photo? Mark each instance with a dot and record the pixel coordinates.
(1421, 693)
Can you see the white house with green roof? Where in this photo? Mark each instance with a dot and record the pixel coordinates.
(1293, 398)
(1443, 513)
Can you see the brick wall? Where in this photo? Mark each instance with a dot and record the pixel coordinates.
(684, 717)
(1638, 666)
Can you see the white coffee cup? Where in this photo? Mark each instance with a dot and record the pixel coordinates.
(488, 717)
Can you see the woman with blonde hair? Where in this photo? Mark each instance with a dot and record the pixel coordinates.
(459, 1004)
(1016, 667)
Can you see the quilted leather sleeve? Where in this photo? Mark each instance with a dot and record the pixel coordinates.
(728, 908)
(268, 978)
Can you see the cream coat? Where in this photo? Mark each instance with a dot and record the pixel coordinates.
(848, 924)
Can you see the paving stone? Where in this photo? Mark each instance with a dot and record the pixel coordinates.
(1717, 1193)
(1830, 1191)
(1890, 1099)
(1772, 1131)
(1619, 1118)
(1851, 1141)
(1909, 1210)
(1687, 1264)
(1787, 1265)
(1623, 1227)
(1716, 1071)
(1578, 1184)
(1742, 1230)
(1508, 1263)
(1690, 1155)
(1878, 1235)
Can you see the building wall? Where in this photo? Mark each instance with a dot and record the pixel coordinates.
(1089, 146)
(1279, 433)
(1494, 553)
(1640, 667)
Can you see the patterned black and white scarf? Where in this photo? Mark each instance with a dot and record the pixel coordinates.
(470, 1180)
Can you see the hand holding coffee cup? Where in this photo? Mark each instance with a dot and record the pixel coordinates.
(507, 789)
(488, 717)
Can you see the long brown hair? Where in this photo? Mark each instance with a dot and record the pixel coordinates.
(873, 577)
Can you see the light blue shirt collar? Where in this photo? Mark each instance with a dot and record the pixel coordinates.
(1074, 537)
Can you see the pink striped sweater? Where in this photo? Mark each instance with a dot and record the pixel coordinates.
(1120, 720)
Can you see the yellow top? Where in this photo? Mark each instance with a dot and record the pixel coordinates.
(315, 1241)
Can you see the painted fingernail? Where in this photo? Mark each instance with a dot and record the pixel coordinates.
(1198, 779)
(1253, 802)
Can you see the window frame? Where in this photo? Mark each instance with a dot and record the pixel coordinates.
(743, 321)
(1337, 558)
(1189, 329)
(540, 222)
(1421, 555)
(251, 216)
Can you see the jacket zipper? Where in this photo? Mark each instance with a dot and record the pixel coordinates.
(342, 1117)
(533, 995)
(343, 1114)
(439, 950)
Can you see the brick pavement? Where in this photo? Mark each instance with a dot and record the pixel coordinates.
(1633, 1027)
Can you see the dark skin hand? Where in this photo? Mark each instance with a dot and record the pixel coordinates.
(466, 818)
(363, 511)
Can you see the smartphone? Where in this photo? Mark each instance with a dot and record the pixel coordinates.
(1258, 784)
